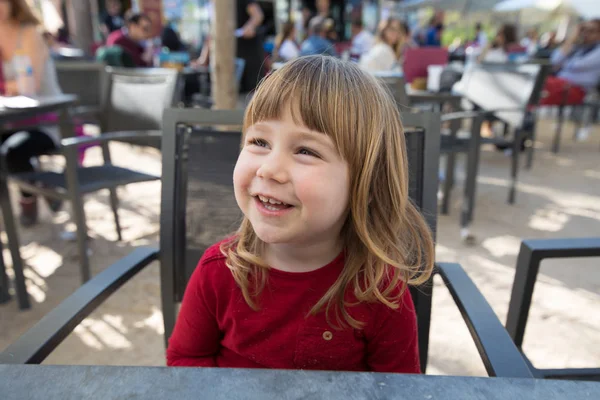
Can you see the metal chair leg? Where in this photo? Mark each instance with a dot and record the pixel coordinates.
(522, 292)
(76, 198)
(558, 130)
(82, 242)
(13, 245)
(514, 170)
(114, 204)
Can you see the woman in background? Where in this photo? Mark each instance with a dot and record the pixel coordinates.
(384, 55)
(285, 46)
(21, 39)
(498, 50)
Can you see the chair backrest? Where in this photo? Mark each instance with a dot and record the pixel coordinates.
(85, 79)
(136, 98)
(396, 85)
(198, 207)
(506, 86)
(416, 61)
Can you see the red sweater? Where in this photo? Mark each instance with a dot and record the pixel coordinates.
(217, 328)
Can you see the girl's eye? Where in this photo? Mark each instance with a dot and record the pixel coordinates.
(257, 142)
(307, 152)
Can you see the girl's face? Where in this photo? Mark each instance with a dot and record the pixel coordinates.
(291, 183)
(5, 10)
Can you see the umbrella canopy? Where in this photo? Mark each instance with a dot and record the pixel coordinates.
(454, 5)
(584, 8)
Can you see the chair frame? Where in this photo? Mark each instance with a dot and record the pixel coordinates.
(531, 254)
(68, 148)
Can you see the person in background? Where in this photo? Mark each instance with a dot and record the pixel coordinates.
(317, 42)
(170, 39)
(113, 20)
(577, 63)
(498, 50)
(286, 48)
(138, 29)
(530, 41)
(406, 41)
(481, 39)
(433, 37)
(578, 59)
(384, 55)
(249, 43)
(362, 39)
(21, 38)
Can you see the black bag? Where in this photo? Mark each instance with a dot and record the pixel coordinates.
(448, 78)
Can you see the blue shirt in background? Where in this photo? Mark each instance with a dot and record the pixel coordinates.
(314, 45)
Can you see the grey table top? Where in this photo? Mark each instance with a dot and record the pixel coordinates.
(102, 382)
(46, 104)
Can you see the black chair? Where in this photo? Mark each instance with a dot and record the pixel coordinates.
(87, 80)
(198, 208)
(530, 256)
(132, 112)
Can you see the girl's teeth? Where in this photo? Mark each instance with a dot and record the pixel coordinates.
(268, 200)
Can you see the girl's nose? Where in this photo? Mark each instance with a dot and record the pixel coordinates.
(274, 167)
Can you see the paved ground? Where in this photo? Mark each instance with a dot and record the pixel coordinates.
(560, 197)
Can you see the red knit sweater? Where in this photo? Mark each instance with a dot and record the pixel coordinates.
(217, 328)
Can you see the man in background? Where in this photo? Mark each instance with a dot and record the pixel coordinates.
(317, 43)
(130, 38)
(113, 20)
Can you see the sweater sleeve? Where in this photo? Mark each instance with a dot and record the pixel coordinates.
(196, 337)
(392, 344)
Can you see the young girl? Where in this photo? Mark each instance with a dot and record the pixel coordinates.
(317, 275)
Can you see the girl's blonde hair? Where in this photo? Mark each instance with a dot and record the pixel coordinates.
(23, 13)
(386, 240)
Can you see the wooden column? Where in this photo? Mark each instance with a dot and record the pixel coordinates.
(222, 55)
(82, 21)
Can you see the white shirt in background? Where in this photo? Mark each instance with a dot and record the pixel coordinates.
(362, 42)
(482, 39)
(380, 58)
(288, 50)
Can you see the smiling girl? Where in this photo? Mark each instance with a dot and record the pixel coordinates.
(316, 277)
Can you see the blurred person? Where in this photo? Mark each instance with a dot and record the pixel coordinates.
(317, 42)
(113, 20)
(21, 41)
(362, 39)
(531, 41)
(577, 66)
(285, 45)
(323, 8)
(131, 38)
(170, 39)
(406, 41)
(330, 32)
(384, 55)
(433, 37)
(249, 43)
(481, 39)
(498, 50)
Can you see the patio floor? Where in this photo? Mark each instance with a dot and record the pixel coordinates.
(559, 197)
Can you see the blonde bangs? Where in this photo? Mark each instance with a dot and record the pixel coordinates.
(324, 94)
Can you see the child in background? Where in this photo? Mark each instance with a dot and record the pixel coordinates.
(317, 275)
